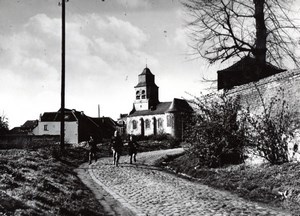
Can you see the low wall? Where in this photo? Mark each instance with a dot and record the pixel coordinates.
(27, 141)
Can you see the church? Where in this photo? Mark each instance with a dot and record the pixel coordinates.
(149, 116)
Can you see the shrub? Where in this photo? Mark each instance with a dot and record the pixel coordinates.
(3, 125)
(271, 129)
(215, 133)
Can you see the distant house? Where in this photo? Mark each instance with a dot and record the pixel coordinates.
(149, 116)
(244, 71)
(78, 126)
(29, 128)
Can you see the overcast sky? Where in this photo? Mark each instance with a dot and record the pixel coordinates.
(108, 44)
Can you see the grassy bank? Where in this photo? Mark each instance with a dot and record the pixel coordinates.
(277, 185)
(41, 182)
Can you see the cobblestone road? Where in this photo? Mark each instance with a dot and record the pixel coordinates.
(146, 190)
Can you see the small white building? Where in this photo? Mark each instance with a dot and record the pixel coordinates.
(78, 126)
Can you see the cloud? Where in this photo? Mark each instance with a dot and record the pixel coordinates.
(134, 3)
(102, 53)
(181, 38)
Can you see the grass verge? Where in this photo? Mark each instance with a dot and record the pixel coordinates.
(276, 185)
(42, 182)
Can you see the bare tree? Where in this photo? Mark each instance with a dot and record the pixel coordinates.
(224, 29)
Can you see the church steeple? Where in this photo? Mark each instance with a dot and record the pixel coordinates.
(146, 91)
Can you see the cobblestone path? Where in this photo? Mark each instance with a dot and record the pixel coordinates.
(146, 190)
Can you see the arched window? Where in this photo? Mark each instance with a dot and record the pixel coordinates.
(147, 123)
(170, 121)
(143, 94)
(160, 123)
(137, 95)
(134, 124)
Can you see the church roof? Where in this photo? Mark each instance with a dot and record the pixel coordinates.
(177, 105)
(146, 71)
(161, 108)
(146, 78)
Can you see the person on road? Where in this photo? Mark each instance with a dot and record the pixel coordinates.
(132, 149)
(92, 150)
(117, 146)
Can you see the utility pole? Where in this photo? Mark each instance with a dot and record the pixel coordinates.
(63, 48)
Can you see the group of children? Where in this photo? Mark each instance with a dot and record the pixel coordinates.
(117, 148)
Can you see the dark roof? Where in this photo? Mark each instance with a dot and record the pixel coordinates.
(180, 105)
(70, 115)
(141, 84)
(146, 71)
(161, 108)
(30, 124)
(148, 79)
(177, 105)
(244, 71)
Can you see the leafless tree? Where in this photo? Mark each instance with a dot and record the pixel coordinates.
(224, 29)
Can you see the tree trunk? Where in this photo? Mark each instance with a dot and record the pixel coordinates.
(260, 49)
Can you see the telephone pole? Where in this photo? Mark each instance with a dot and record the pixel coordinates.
(63, 48)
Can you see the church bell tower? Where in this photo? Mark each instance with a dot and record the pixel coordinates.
(146, 91)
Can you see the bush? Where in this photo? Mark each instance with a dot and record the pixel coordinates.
(215, 133)
(271, 130)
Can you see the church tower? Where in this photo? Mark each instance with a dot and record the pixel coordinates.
(146, 91)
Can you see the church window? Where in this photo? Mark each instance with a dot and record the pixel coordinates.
(143, 94)
(147, 123)
(138, 95)
(170, 121)
(159, 123)
(134, 124)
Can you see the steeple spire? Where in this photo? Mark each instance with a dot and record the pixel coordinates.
(146, 63)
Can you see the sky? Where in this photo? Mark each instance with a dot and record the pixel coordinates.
(108, 44)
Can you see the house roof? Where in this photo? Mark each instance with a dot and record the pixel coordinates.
(30, 124)
(177, 105)
(70, 115)
(244, 71)
(248, 63)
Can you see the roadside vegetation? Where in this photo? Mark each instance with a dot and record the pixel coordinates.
(41, 182)
(222, 136)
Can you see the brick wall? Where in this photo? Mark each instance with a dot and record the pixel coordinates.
(269, 87)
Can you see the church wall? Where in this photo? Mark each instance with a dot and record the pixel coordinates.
(160, 124)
